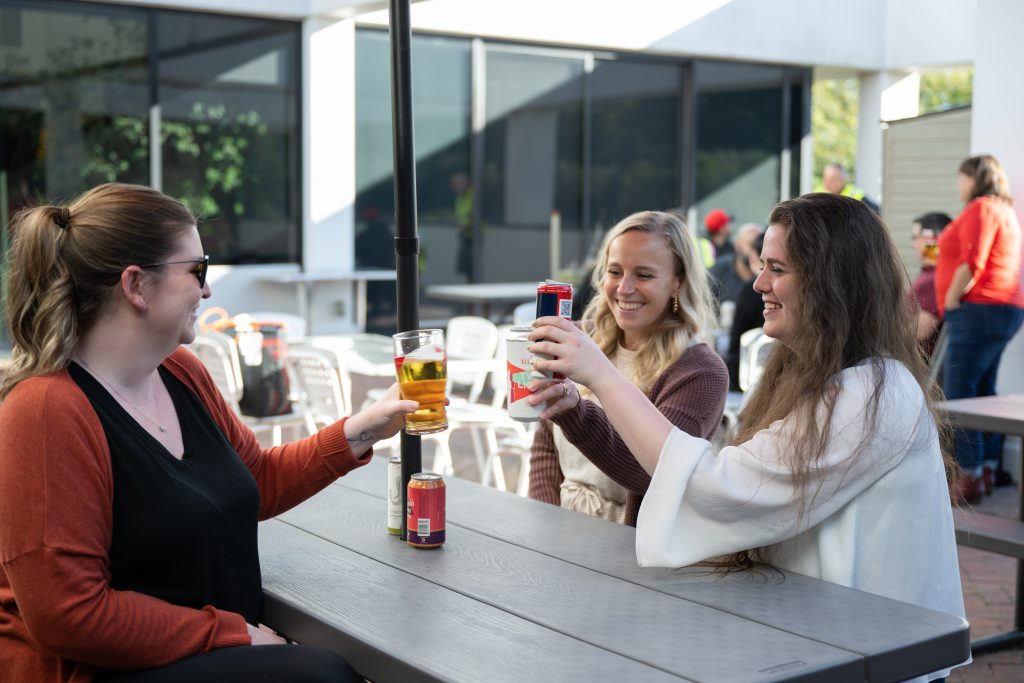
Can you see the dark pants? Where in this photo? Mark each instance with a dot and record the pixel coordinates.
(978, 334)
(268, 663)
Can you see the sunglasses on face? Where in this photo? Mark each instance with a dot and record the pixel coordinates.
(202, 266)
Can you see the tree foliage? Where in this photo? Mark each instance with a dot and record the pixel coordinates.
(834, 105)
(946, 89)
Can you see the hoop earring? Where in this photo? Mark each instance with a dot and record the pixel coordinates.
(675, 304)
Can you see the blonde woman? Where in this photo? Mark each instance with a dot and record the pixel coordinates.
(649, 316)
(837, 472)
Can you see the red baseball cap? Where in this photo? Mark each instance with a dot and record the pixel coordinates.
(716, 220)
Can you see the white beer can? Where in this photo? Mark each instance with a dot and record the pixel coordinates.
(395, 495)
(519, 362)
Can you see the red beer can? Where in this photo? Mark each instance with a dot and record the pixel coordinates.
(554, 298)
(424, 521)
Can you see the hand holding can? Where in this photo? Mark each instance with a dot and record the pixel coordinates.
(422, 368)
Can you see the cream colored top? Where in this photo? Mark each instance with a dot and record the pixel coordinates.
(585, 488)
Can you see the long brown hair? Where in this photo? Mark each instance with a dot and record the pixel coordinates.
(674, 331)
(65, 261)
(852, 308)
(989, 177)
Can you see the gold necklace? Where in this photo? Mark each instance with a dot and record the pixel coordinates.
(108, 385)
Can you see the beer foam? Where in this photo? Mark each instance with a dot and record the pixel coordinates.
(430, 352)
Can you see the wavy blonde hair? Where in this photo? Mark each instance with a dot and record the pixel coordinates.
(674, 331)
(65, 262)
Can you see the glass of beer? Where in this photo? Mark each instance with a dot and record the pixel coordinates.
(422, 368)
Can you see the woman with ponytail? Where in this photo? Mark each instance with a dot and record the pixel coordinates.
(837, 471)
(650, 316)
(129, 490)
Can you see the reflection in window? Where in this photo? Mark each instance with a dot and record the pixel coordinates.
(533, 141)
(634, 139)
(739, 139)
(229, 132)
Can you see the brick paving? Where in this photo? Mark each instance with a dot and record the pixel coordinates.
(989, 583)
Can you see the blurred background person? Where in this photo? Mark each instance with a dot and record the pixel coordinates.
(978, 289)
(834, 178)
(650, 315)
(717, 225)
(748, 313)
(925, 231)
(463, 211)
(732, 273)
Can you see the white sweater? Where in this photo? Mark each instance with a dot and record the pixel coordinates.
(881, 522)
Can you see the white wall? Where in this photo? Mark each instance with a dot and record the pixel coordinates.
(996, 127)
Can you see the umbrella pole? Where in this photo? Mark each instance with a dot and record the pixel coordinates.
(407, 243)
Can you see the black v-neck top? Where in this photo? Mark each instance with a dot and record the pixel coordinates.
(184, 530)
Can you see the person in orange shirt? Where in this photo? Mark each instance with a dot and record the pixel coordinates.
(129, 490)
(978, 289)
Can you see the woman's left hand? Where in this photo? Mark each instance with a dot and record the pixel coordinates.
(381, 420)
(561, 396)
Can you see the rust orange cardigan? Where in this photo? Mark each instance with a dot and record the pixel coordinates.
(59, 618)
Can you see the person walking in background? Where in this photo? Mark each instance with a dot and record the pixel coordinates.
(130, 490)
(837, 471)
(834, 178)
(925, 231)
(717, 224)
(463, 211)
(979, 294)
(650, 315)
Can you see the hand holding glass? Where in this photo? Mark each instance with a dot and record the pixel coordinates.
(422, 368)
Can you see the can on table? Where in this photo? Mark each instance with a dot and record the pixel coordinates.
(425, 513)
(554, 298)
(395, 495)
(519, 362)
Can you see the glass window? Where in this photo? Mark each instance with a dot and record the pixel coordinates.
(738, 140)
(228, 93)
(636, 124)
(441, 111)
(533, 140)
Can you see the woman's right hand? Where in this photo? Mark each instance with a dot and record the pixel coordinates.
(571, 350)
(261, 636)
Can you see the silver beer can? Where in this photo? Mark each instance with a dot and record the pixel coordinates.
(520, 371)
(395, 495)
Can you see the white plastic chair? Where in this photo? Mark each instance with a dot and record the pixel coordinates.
(470, 337)
(320, 383)
(219, 353)
(754, 349)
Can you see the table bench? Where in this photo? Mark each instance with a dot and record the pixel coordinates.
(1005, 415)
(524, 590)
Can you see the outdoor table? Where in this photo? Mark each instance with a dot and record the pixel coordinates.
(507, 293)
(306, 280)
(1003, 415)
(523, 590)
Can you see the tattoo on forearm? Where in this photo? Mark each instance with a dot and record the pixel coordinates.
(363, 436)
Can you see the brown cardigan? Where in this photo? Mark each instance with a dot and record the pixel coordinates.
(59, 618)
(691, 394)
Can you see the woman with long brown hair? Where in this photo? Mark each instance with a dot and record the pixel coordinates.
(837, 471)
(978, 290)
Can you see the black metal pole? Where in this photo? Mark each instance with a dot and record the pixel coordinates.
(407, 243)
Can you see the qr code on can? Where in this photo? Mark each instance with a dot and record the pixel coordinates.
(565, 308)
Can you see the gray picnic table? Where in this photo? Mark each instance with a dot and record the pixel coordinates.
(526, 591)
